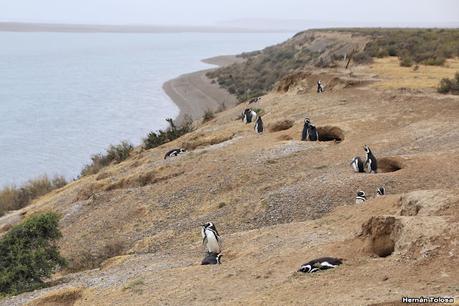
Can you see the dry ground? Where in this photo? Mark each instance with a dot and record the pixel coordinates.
(278, 202)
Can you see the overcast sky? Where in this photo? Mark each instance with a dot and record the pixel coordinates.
(212, 12)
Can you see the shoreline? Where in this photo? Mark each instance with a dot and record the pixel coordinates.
(194, 93)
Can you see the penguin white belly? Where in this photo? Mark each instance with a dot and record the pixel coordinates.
(212, 242)
(359, 201)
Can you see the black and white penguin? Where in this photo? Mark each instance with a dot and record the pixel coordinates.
(210, 238)
(320, 87)
(212, 259)
(318, 264)
(248, 115)
(309, 131)
(381, 191)
(360, 198)
(259, 126)
(370, 162)
(174, 152)
(254, 100)
(357, 164)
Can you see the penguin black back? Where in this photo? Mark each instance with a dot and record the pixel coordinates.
(174, 152)
(370, 162)
(259, 125)
(212, 259)
(318, 264)
(357, 164)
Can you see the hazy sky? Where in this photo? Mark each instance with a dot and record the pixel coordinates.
(211, 12)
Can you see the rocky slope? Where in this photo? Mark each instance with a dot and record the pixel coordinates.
(277, 201)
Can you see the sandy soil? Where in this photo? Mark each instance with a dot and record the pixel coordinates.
(195, 94)
(278, 202)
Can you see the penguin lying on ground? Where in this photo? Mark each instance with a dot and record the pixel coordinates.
(309, 131)
(381, 191)
(248, 115)
(357, 165)
(360, 198)
(212, 259)
(254, 100)
(259, 126)
(210, 238)
(318, 264)
(174, 152)
(370, 162)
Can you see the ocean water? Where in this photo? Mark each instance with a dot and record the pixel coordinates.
(66, 96)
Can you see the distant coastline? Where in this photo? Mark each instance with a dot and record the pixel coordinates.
(194, 93)
(87, 28)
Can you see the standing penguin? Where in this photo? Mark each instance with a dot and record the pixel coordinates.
(381, 191)
(357, 164)
(370, 162)
(248, 115)
(309, 131)
(318, 264)
(212, 259)
(320, 87)
(210, 238)
(360, 198)
(259, 126)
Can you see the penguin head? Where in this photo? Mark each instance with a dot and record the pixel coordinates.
(361, 194)
(209, 225)
(380, 191)
(305, 268)
(182, 150)
(307, 120)
(367, 149)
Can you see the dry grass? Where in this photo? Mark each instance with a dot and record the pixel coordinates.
(64, 297)
(200, 140)
(280, 126)
(425, 76)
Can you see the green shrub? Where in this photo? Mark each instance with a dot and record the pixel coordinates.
(449, 85)
(208, 115)
(28, 254)
(155, 139)
(13, 198)
(114, 154)
(406, 61)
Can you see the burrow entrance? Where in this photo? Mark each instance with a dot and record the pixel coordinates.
(381, 234)
(389, 164)
(330, 133)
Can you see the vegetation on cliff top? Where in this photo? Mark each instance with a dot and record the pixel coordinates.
(262, 69)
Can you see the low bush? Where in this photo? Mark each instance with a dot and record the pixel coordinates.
(406, 61)
(29, 254)
(114, 154)
(13, 198)
(208, 115)
(449, 85)
(155, 139)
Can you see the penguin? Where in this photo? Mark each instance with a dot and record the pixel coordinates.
(309, 131)
(259, 126)
(360, 198)
(381, 191)
(174, 152)
(212, 259)
(210, 238)
(255, 100)
(318, 264)
(357, 164)
(370, 162)
(248, 115)
(320, 87)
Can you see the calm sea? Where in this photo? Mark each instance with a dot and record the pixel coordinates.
(66, 96)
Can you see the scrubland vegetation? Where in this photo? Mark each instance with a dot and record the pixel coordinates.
(449, 85)
(262, 69)
(155, 139)
(28, 254)
(114, 154)
(13, 198)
